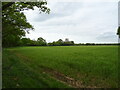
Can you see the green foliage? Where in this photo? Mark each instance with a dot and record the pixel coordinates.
(118, 31)
(28, 42)
(60, 42)
(14, 22)
(68, 43)
(41, 42)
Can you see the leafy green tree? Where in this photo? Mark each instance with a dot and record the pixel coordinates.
(68, 43)
(72, 42)
(60, 42)
(14, 22)
(118, 32)
(26, 41)
(41, 42)
(50, 44)
(54, 43)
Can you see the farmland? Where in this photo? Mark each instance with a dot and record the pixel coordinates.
(60, 66)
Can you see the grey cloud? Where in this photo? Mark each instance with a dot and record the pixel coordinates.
(108, 37)
(84, 22)
(60, 9)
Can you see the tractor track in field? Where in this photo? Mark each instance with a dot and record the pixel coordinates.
(57, 75)
(62, 78)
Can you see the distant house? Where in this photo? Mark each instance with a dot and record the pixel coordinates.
(66, 40)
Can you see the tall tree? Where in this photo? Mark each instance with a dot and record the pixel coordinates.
(118, 32)
(41, 41)
(14, 22)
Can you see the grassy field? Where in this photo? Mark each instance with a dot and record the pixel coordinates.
(60, 66)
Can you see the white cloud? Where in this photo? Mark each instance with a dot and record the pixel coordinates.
(81, 21)
(84, 1)
(107, 37)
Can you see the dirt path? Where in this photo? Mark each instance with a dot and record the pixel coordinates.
(62, 78)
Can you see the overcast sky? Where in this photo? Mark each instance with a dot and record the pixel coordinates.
(82, 22)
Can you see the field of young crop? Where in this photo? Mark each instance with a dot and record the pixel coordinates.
(60, 67)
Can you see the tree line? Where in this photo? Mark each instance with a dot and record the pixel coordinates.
(42, 42)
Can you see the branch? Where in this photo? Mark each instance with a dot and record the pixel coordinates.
(7, 5)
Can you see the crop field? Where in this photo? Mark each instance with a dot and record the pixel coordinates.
(60, 67)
